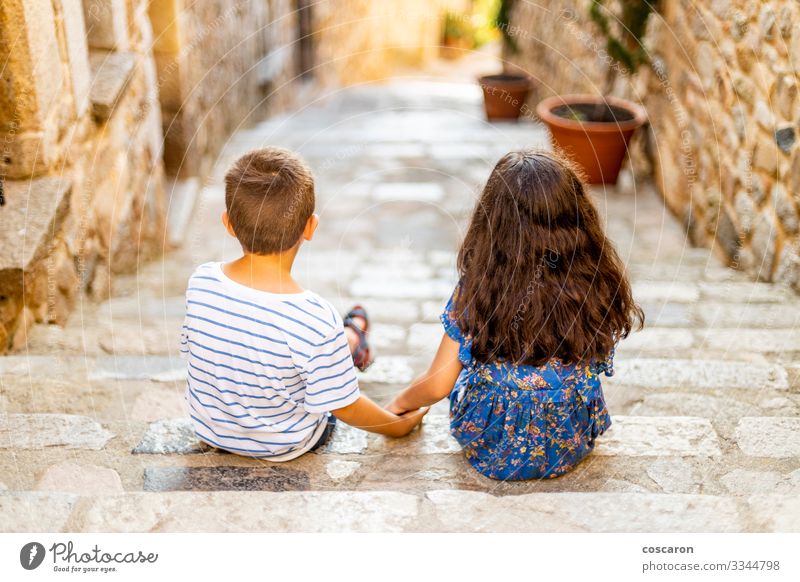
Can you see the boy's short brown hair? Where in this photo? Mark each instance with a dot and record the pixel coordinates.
(269, 196)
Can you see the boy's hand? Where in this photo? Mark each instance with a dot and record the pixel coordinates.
(408, 421)
(366, 415)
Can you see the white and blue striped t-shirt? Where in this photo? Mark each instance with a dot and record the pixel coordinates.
(264, 368)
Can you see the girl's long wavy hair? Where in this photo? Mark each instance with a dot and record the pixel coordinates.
(539, 278)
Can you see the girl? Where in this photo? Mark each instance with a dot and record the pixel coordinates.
(541, 302)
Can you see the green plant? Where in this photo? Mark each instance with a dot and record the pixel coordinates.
(456, 26)
(503, 22)
(623, 23)
(484, 17)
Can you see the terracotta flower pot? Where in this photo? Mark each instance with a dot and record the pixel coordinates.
(504, 95)
(598, 146)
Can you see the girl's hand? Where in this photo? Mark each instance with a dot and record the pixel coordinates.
(408, 422)
(394, 408)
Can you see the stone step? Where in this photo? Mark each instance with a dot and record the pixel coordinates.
(701, 374)
(651, 429)
(354, 465)
(646, 372)
(726, 291)
(721, 407)
(734, 340)
(630, 436)
(680, 272)
(125, 337)
(676, 342)
(389, 511)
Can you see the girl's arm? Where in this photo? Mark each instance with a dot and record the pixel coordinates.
(434, 384)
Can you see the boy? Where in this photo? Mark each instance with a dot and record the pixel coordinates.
(268, 361)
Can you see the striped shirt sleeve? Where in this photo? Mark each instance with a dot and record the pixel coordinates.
(331, 381)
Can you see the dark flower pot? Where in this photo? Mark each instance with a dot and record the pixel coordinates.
(594, 131)
(504, 95)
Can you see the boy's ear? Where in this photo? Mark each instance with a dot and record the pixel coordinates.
(311, 226)
(227, 222)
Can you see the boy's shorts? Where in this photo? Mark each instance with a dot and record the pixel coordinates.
(326, 434)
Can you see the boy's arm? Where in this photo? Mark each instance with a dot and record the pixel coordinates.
(435, 383)
(366, 415)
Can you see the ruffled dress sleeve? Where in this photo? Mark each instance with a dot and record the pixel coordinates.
(448, 319)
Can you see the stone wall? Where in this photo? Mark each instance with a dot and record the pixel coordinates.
(219, 63)
(81, 163)
(721, 93)
(94, 94)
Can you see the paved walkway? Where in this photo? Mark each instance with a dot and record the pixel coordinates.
(705, 400)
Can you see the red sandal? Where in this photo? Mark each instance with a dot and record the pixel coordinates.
(362, 357)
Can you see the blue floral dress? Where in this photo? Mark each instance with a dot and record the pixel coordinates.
(525, 422)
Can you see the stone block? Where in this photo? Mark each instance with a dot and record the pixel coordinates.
(33, 214)
(744, 292)
(656, 340)
(769, 436)
(779, 513)
(745, 482)
(674, 475)
(765, 155)
(404, 191)
(172, 81)
(763, 244)
(431, 289)
(388, 370)
(225, 478)
(70, 477)
(25, 511)
(239, 511)
(785, 137)
(755, 315)
(671, 291)
(111, 74)
(698, 374)
(756, 340)
(32, 74)
(106, 24)
(667, 314)
(743, 86)
(637, 436)
(347, 440)
(788, 268)
(785, 208)
(181, 155)
(165, 18)
(728, 234)
(37, 431)
(745, 210)
(159, 402)
(170, 436)
(121, 367)
(77, 53)
(582, 512)
(338, 469)
(28, 154)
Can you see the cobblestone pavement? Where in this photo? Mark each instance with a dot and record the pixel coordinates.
(705, 399)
